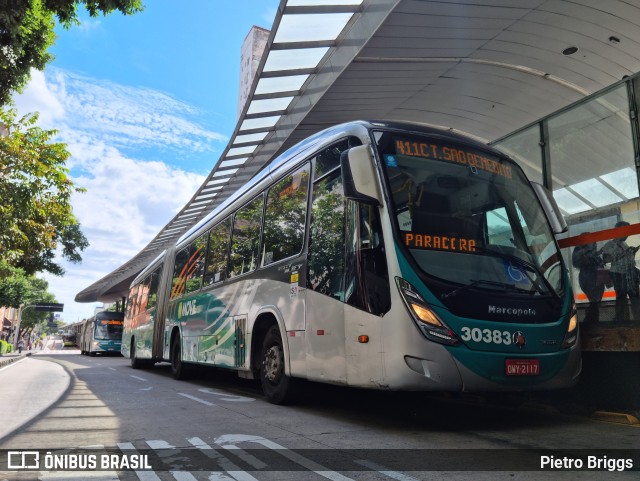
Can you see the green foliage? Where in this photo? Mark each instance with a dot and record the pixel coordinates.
(5, 347)
(31, 317)
(15, 285)
(17, 288)
(27, 32)
(35, 193)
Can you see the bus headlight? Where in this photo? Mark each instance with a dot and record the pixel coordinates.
(426, 319)
(571, 336)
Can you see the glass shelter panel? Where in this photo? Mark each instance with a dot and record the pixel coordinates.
(524, 147)
(595, 184)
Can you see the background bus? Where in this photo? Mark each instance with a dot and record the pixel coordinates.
(101, 333)
(386, 256)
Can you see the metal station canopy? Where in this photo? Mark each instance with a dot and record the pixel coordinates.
(481, 67)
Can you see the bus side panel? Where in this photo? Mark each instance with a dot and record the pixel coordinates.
(205, 325)
(365, 360)
(325, 338)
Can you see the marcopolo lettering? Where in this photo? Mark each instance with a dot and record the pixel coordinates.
(511, 311)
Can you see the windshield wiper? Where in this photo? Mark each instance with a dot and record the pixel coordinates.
(527, 266)
(502, 285)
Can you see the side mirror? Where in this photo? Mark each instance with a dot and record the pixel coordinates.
(360, 181)
(551, 209)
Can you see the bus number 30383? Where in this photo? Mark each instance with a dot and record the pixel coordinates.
(492, 336)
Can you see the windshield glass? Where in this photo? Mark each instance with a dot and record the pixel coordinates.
(108, 330)
(469, 217)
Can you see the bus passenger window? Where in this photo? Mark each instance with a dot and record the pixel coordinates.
(195, 264)
(143, 294)
(285, 217)
(216, 269)
(329, 158)
(131, 301)
(153, 288)
(245, 241)
(179, 273)
(326, 237)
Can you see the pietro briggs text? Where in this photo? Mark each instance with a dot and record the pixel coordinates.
(598, 463)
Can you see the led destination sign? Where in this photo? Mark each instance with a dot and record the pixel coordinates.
(440, 242)
(452, 154)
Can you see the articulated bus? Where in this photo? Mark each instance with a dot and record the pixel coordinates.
(378, 255)
(101, 333)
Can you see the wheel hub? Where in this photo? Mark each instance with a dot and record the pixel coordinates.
(273, 364)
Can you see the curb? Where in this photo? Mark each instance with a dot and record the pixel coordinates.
(6, 361)
(618, 418)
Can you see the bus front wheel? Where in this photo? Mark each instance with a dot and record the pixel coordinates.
(276, 385)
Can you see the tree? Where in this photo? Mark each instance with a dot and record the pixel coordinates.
(26, 33)
(36, 216)
(15, 285)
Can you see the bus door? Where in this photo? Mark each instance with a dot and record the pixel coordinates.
(367, 294)
(348, 288)
(325, 293)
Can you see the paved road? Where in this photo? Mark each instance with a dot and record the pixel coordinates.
(209, 428)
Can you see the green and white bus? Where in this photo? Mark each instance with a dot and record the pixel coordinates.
(100, 334)
(378, 255)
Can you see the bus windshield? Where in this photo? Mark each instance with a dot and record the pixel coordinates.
(469, 217)
(108, 330)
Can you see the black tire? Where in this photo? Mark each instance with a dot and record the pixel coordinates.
(178, 368)
(276, 386)
(135, 362)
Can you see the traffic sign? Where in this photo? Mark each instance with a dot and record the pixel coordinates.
(48, 307)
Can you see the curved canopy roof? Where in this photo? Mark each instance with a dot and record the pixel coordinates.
(481, 67)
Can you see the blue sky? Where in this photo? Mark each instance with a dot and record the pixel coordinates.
(146, 105)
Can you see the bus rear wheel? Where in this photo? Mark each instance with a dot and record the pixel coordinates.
(135, 362)
(276, 385)
(178, 368)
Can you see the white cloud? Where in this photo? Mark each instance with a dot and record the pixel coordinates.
(128, 200)
(39, 97)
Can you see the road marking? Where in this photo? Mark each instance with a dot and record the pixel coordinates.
(226, 396)
(145, 388)
(228, 441)
(113, 369)
(382, 470)
(196, 399)
(80, 476)
(142, 475)
(183, 476)
(234, 471)
(138, 378)
(159, 444)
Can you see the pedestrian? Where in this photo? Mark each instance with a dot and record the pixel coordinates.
(20, 346)
(587, 258)
(624, 274)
